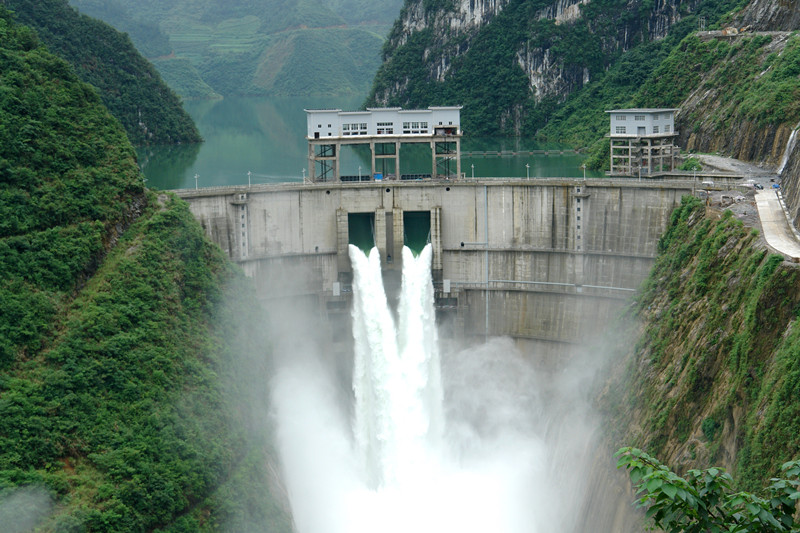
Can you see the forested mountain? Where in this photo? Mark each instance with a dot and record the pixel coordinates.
(128, 85)
(551, 68)
(123, 368)
(279, 47)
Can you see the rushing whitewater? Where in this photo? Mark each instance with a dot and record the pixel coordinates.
(396, 377)
(422, 441)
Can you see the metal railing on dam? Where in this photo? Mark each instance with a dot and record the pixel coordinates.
(547, 260)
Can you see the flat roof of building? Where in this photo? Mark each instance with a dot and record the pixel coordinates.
(398, 109)
(643, 110)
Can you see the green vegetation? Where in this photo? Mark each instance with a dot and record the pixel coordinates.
(148, 37)
(274, 47)
(718, 354)
(184, 78)
(122, 331)
(704, 500)
(691, 163)
(497, 95)
(751, 84)
(128, 85)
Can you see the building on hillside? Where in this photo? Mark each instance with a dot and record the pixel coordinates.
(642, 141)
(384, 130)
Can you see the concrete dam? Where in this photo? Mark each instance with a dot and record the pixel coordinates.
(546, 261)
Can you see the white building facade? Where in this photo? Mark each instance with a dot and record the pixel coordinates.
(642, 140)
(384, 129)
(335, 123)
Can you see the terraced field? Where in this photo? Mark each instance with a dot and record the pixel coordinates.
(270, 47)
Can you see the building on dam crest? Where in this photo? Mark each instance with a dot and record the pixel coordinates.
(384, 130)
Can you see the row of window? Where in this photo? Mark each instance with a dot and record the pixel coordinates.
(354, 129)
(640, 118)
(623, 129)
(384, 128)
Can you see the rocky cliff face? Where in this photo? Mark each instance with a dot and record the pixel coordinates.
(743, 102)
(790, 175)
(558, 46)
(714, 117)
(783, 15)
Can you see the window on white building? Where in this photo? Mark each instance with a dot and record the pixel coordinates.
(666, 128)
(621, 117)
(655, 129)
(620, 129)
(638, 117)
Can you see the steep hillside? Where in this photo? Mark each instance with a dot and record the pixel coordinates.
(737, 95)
(310, 47)
(128, 85)
(715, 375)
(124, 375)
(513, 63)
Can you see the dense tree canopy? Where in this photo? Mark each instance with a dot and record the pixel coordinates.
(128, 85)
(118, 390)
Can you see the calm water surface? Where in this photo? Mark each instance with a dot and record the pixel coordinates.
(266, 137)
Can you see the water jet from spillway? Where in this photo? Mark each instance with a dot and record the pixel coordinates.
(468, 441)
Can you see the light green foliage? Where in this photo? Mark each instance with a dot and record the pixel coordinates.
(691, 163)
(127, 84)
(704, 501)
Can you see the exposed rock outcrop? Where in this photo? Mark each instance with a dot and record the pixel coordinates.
(546, 44)
(770, 15)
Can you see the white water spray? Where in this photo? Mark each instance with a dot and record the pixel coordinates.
(788, 151)
(396, 381)
(465, 442)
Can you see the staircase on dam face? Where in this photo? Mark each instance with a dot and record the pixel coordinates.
(547, 262)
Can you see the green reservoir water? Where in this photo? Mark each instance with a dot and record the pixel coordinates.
(266, 137)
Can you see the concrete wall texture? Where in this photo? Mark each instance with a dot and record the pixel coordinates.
(560, 253)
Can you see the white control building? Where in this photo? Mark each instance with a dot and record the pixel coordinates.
(384, 129)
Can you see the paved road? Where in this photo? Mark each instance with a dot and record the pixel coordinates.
(777, 230)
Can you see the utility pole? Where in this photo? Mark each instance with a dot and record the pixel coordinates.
(527, 171)
(248, 179)
(473, 170)
(195, 180)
